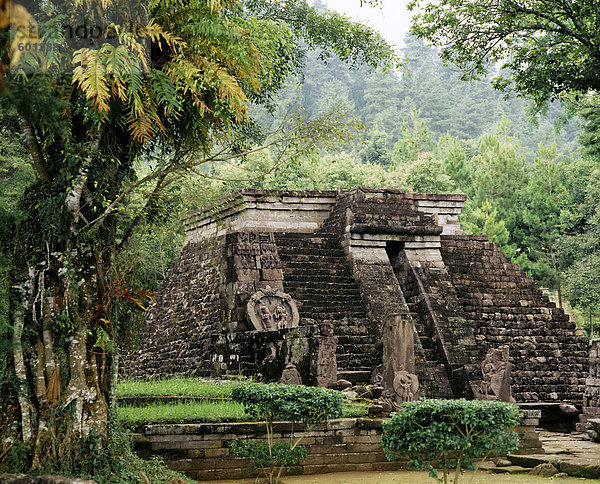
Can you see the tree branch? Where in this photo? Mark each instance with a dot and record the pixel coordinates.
(33, 148)
(147, 207)
(73, 199)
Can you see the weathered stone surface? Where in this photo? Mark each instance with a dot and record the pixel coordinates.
(354, 259)
(290, 375)
(400, 384)
(496, 369)
(326, 364)
(509, 470)
(544, 470)
(593, 429)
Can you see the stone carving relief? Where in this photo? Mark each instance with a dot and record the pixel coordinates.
(248, 243)
(291, 375)
(246, 250)
(271, 309)
(591, 395)
(269, 259)
(496, 370)
(399, 381)
(406, 386)
(271, 353)
(326, 373)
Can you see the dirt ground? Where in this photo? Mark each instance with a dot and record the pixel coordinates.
(413, 477)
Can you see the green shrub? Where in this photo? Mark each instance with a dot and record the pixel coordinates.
(275, 401)
(265, 458)
(450, 434)
(296, 403)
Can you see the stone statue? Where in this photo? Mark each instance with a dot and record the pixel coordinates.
(496, 370)
(271, 309)
(377, 376)
(399, 381)
(326, 367)
(271, 353)
(290, 375)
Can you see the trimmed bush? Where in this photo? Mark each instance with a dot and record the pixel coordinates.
(449, 434)
(295, 403)
(275, 401)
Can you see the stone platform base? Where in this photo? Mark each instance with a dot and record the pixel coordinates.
(572, 454)
(587, 414)
(203, 451)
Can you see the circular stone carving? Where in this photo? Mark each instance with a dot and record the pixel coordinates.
(406, 386)
(271, 309)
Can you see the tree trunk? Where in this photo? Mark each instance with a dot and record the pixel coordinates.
(63, 297)
(557, 278)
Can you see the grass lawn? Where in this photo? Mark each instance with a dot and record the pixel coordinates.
(135, 416)
(187, 412)
(181, 412)
(176, 386)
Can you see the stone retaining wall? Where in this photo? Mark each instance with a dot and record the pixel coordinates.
(203, 451)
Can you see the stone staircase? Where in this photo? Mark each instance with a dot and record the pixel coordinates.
(318, 276)
(506, 306)
(432, 372)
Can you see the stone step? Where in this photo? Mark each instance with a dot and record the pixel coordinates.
(430, 354)
(326, 287)
(427, 343)
(355, 376)
(330, 276)
(435, 384)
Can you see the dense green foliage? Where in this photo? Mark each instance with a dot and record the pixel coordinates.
(264, 457)
(547, 49)
(386, 103)
(449, 434)
(295, 403)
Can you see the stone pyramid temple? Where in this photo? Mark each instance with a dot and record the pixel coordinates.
(272, 278)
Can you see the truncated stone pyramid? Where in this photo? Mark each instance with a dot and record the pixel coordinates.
(263, 274)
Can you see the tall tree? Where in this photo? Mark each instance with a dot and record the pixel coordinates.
(135, 115)
(547, 49)
(414, 139)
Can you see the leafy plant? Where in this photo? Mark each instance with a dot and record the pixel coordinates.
(296, 403)
(446, 434)
(265, 457)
